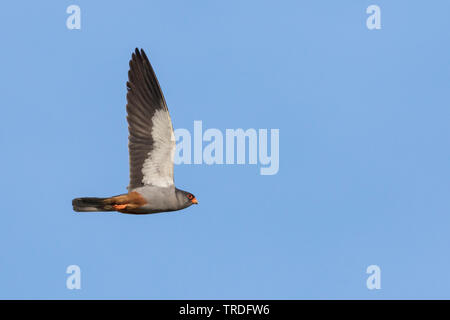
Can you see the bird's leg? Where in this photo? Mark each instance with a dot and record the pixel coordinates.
(128, 201)
(118, 202)
(120, 206)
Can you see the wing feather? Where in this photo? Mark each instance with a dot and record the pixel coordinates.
(151, 141)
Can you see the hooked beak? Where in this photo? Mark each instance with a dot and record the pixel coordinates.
(194, 201)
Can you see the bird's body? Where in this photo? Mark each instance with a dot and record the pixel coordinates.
(161, 199)
(151, 146)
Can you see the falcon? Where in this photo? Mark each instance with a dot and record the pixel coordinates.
(151, 144)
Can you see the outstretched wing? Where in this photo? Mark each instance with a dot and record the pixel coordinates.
(151, 141)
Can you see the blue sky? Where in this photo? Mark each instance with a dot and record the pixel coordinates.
(364, 149)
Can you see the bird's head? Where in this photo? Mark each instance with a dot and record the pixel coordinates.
(192, 198)
(186, 198)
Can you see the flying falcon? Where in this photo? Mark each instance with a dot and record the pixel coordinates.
(151, 145)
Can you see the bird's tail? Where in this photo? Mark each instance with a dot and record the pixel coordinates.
(92, 204)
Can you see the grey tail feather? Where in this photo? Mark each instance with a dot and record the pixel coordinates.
(91, 204)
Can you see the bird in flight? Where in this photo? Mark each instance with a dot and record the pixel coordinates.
(151, 144)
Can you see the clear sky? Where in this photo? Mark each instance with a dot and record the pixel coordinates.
(364, 175)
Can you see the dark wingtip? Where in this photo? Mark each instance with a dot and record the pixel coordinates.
(144, 55)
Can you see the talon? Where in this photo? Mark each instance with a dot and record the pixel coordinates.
(120, 206)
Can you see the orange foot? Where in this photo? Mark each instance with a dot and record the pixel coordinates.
(120, 206)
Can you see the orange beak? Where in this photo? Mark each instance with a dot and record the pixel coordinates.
(194, 201)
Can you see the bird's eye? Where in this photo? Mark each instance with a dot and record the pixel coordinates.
(190, 196)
